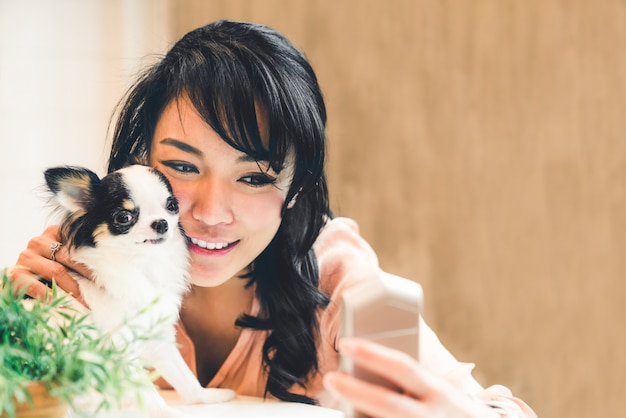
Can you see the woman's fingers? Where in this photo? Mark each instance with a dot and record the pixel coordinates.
(421, 393)
(38, 267)
(23, 280)
(38, 258)
(373, 400)
(400, 369)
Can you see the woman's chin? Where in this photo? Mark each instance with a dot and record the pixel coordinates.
(210, 277)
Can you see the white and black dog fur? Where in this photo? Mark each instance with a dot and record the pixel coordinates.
(125, 229)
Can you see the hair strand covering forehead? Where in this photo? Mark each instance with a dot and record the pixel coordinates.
(237, 73)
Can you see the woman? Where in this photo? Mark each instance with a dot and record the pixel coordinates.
(234, 117)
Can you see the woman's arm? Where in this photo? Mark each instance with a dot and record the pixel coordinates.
(439, 382)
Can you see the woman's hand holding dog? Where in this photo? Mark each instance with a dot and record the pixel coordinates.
(48, 264)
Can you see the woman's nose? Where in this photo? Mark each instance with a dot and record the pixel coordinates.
(212, 203)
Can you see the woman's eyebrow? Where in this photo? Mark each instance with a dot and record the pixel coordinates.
(245, 158)
(182, 146)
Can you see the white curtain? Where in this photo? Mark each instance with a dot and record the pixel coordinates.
(64, 64)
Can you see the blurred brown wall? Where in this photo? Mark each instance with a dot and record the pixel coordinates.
(481, 145)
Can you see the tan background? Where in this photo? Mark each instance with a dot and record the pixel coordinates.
(481, 145)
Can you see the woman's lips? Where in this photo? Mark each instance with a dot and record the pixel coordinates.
(210, 247)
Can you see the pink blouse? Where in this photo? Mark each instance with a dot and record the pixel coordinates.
(344, 258)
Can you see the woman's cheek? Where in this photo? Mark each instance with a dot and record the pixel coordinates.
(271, 201)
(182, 197)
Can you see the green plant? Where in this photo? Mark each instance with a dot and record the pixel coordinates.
(58, 346)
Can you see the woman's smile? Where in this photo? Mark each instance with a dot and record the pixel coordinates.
(211, 247)
(230, 204)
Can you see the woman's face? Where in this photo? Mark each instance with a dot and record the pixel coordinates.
(230, 205)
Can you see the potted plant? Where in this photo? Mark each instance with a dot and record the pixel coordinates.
(52, 357)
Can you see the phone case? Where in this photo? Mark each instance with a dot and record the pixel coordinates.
(385, 311)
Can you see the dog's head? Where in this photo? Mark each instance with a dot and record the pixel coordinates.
(133, 206)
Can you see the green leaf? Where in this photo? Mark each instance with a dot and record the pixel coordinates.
(62, 348)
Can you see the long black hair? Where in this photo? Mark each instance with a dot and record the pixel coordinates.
(228, 69)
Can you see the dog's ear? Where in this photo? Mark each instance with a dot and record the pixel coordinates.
(73, 187)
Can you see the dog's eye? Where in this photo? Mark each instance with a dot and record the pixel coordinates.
(172, 205)
(123, 217)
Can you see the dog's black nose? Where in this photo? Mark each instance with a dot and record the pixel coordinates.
(160, 226)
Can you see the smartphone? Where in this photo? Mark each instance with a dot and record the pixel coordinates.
(385, 311)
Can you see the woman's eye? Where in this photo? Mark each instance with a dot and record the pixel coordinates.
(180, 166)
(258, 180)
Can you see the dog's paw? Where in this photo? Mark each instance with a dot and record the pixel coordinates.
(214, 395)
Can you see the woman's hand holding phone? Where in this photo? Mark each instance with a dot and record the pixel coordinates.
(422, 394)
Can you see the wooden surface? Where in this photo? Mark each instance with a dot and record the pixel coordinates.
(481, 145)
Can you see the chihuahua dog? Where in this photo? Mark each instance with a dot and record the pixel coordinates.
(125, 229)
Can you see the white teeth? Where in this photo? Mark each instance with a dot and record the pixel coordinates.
(209, 245)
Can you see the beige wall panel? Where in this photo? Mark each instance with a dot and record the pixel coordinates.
(481, 145)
